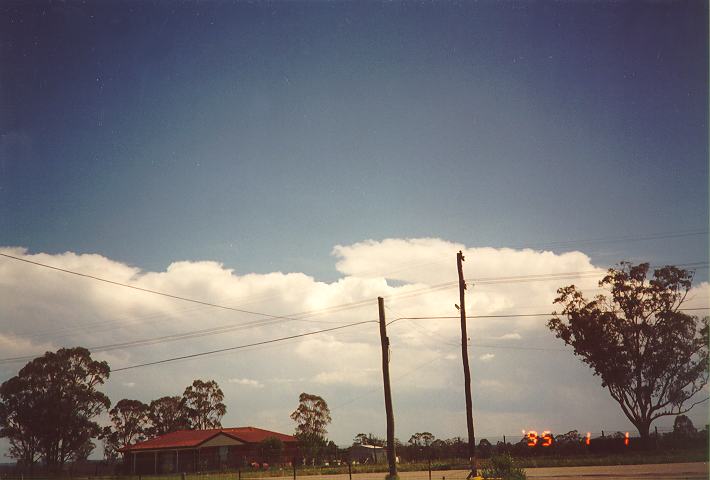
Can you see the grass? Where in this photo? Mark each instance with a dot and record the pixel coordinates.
(631, 458)
(636, 458)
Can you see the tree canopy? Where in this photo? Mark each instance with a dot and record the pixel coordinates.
(651, 355)
(47, 410)
(203, 404)
(312, 417)
(167, 414)
(129, 424)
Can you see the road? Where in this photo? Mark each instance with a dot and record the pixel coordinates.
(665, 471)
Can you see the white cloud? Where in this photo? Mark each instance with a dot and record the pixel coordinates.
(248, 382)
(510, 336)
(42, 310)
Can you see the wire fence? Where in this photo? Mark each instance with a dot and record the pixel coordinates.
(568, 449)
(375, 475)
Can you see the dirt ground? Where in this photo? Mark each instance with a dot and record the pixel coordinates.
(666, 471)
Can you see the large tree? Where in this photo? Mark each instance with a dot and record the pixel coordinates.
(312, 417)
(60, 389)
(651, 355)
(203, 404)
(129, 424)
(167, 414)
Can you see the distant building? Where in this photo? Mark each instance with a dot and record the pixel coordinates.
(367, 454)
(204, 450)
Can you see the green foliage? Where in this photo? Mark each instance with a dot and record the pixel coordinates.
(421, 439)
(167, 414)
(312, 417)
(503, 466)
(652, 357)
(271, 449)
(484, 448)
(129, 424)
(683, 427)
(203, 404)
(47, 410)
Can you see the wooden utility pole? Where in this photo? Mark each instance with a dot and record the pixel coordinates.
(385, 341)
(466, 371)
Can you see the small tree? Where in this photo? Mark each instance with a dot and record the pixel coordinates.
(503, 467)
(683, 427)
(203, 404)
(271, 449)
(484, 448)
(312, 417)
(650, 355)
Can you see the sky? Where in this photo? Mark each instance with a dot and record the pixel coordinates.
(293, 157)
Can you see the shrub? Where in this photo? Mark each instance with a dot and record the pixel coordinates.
(503, 466)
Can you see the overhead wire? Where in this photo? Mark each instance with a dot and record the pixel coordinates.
(295, 317)
(239, 347)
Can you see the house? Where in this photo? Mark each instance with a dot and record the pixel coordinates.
(367, 454)
(205, 450)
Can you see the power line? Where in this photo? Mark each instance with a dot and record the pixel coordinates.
(302, 315)
(157, 340)
(509, 315)
(265, 342)
(146, 290)
(481, 280)
(215, 305)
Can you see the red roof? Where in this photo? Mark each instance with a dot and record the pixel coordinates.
(194, 438)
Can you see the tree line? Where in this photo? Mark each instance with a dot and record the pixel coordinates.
(48, 410)
(200, 407)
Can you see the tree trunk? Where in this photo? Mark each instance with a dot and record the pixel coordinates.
(644, 427)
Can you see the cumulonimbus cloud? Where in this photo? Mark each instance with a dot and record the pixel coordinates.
(43, 309)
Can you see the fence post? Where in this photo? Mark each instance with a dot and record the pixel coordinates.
(183, 475)
(294, 468)
(239, 474)
(350, 470)
(504, 440)
(429, 468)
(602, 433)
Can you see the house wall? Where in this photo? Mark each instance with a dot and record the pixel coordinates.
(210, 458)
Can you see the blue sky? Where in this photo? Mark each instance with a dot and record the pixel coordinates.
(261, 136)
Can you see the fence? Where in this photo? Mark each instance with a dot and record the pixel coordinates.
(569, 447)
(312, 473)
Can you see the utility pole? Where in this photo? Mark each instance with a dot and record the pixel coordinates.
(385, 341)
(466, 371)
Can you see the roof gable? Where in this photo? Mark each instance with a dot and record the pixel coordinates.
(221, 440)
